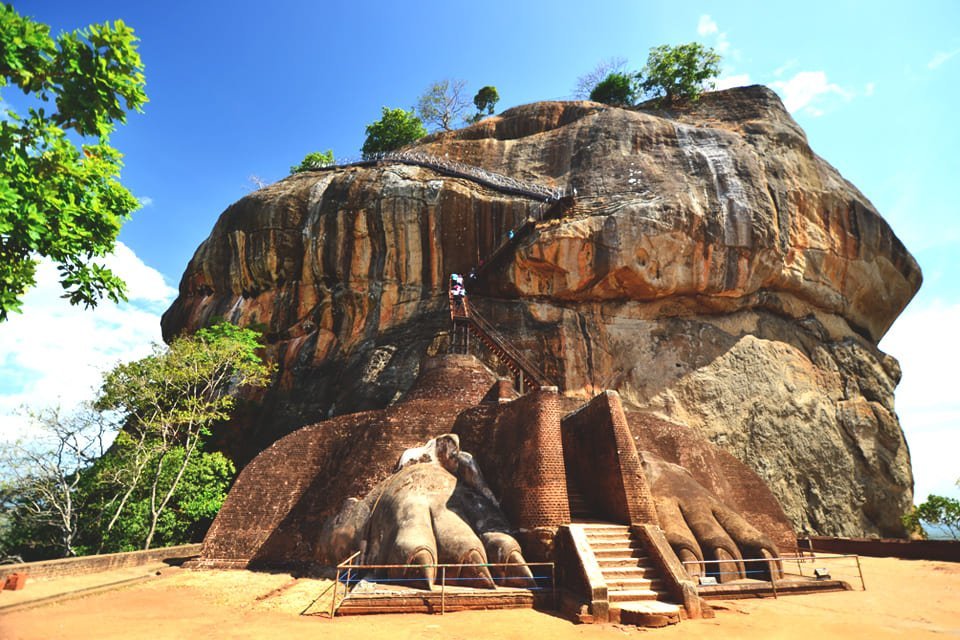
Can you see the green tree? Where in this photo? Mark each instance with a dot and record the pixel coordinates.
(618, 89)
(679, 73)
(193, 505)
(443, 104)
(588, 81)
(58, 200)
(63, 495)
(170, 400)
(486, 100)
(937, 511)
(397, 128)
(314, 160)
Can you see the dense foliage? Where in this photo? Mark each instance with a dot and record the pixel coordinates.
(588, 81)
(678, 73)
(486, 100)
(397, 128)
(58, 200)
(314, 160)
(155, 485)
(672, 74)
(617, 89)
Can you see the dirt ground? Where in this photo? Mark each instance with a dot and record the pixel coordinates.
(904, 599)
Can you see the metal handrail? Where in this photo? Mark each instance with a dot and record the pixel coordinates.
(350, 567)
(529, 369)
(797, 558)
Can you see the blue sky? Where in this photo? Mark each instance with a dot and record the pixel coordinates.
(245, 89)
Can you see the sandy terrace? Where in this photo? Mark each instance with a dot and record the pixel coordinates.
(904, 599)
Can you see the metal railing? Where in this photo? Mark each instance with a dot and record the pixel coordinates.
(772, 566)
(463, 314)
(350, 573)
(525, 366)
(453, 168)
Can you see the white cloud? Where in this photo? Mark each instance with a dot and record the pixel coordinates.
(727, 82)
(54, 353)
(869, 88)
(786, 66)
(145, 201)
(807, 90)
(940, 57)
(706, 26)
(926, 399)
(722, 45)
(144, 283)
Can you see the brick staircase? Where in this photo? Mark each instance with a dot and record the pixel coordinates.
(634, 588)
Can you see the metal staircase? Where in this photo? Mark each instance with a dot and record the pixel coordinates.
(467, 321)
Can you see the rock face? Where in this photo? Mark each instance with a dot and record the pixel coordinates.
(712, 269)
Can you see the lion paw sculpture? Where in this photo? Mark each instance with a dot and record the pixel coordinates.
(434, 509)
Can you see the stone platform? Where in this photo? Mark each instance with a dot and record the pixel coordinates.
(790, 585)
(372, 597)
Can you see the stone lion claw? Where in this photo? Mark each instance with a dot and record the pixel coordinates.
(709, 537)
(435, 509)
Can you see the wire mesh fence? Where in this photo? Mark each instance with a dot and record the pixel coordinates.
(349, 574)
(453, 168)
(782, 570)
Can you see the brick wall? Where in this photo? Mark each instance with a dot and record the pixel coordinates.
(102, 562)
(282, 498)
(602, 459)
(518, 447)
(942, 550)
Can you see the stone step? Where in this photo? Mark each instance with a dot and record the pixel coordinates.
(604, 526)
(606, 562)
(606, 530)
(631, 595)
(616, 573)
(603, 534)
(621, 584)
(606, 543)
(649, 613)
(618, 552)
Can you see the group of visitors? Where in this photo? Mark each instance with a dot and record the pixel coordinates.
(457, 290)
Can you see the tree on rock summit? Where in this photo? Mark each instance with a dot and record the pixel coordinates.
(617, 89)
(679, 73)
(314, 160)
(397, 128)
(443, 104)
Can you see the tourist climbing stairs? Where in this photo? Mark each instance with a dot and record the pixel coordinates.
(467, 321)
(634, 588)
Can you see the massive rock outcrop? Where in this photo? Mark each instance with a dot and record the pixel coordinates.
(712, 269)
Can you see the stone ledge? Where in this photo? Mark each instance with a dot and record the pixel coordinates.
(102, 562)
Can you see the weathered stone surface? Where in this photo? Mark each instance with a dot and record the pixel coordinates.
(712, 269)
(332, 488)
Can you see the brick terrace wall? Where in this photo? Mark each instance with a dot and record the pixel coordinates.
(102, 562)
(518, 447)
(280, 500)
(600, 453)
(943, 550)
(536, 490)
(731, 480)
